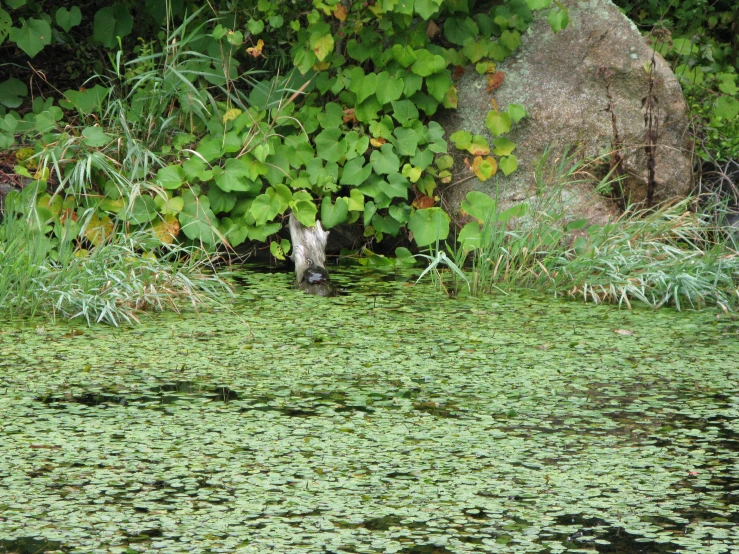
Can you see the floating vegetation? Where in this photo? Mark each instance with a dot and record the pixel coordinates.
(391, 419)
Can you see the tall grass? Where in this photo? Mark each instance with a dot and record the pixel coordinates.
(667, 256)
(112, 283)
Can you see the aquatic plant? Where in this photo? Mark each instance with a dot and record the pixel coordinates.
(389, 420)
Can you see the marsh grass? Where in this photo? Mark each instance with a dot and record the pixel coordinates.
(670, 255)
(114, 282)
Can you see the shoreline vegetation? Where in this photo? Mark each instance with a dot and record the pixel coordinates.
(190, 142)
(670, 256)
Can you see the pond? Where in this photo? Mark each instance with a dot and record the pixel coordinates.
(388, 419)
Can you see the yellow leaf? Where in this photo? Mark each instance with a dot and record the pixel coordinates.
(484, 168)
(340, 12)
(167, 229)
(323, 46)
(99, 230)
(256, 51)
(233, 113)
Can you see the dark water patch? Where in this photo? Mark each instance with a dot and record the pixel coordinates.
(425, 549)
(602, 537)
(31, 545)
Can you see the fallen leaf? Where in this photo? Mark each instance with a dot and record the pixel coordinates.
(495, 80)
(623, 332)
(349, 116)
(432, 29)
(423, 201)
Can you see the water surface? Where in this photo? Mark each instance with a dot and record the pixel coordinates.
(390, 419)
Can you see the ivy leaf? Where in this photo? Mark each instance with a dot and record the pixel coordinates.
(197, 219)
(404, 55)
(262, 232)
(95, 137)
(322, 46)
(362, 85)
(385, 161)
(413, 174)
(503, 146)
(255, 26)
(90, 100)
(479, 146)
(427, 63)
(388, 88)
(538, 4)
(422, 158)
(367, 110)
(438, 84)
(404, 111)
(355, 172)
(558, 19)
(396, 186)
(461, 139)
(475, 50)
(726, 107)
(263, 209)
(357, 51)
(458, 30)
(356, 201)
(386, 224)
(66, 19)
(407, 141)
(509, 164)
(484, 168)
(517, 112)
(33, 35)
(427, 8)
(304, 209)
(497, 122)
(5, 24)
(479, 205)
(429, 225)
(238, 176)
(329, 146)
(12, 92)
(221, 201)
(111, 22)
(510, 39)
(333, 214)
(235, 233)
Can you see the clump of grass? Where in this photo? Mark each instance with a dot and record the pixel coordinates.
(112, 283)
(665, 256)
(670, 256)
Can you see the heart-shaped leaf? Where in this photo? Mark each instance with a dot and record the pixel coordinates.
(66, 19)
(509, 164)
(498, 122)
(429, 226)
(33, 35)
(333, 214)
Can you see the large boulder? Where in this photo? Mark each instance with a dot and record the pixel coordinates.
(564, 81)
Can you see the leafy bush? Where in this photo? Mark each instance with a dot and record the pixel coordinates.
(240, 114)
(699, 39)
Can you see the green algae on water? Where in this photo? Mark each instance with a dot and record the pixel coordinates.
(389, 419)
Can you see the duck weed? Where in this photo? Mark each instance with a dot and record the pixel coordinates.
(292, 423)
